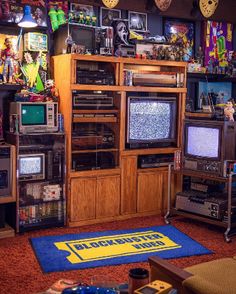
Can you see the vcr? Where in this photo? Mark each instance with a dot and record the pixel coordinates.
(155, 160)
(95, 77)
(202, 204)
(92, 101)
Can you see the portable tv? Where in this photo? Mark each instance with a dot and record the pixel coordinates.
(207, 144)
(151, 122)
(35, 117)
(32, 166)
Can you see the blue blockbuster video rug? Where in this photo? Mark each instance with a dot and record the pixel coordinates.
(85, 250)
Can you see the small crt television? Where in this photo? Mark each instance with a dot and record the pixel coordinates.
(151, 122)
(32, 166)
(208, 144)
(35, 117)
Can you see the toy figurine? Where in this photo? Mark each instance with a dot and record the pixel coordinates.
(229, 111)
(88, 20)
(8, 56)
(53, 18)
(94, 20)
(200, 56)
(69, 43)
(81, 17)
(60, 16)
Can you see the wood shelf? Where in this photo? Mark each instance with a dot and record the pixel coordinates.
(201, 218)
(6, 232)
(199, 114)
(94, 150)
(124, 190)
(78, 111)
(201, 174)
(83, 87)
(153, 89)
(211, 77)
(95, 172)
(95, 119)
(149, 151)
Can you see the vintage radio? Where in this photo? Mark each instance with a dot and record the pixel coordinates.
(156, 79)
(92, 101)
(95, 77)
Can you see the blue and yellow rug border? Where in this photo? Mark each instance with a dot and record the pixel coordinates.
(62, 252)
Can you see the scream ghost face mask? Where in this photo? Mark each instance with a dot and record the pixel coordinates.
(122, 32)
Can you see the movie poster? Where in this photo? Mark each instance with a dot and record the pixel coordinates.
(180, 33)
(217, 43)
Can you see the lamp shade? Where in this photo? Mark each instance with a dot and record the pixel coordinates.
(27, 20)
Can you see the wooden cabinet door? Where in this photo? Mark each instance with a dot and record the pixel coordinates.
(129, 185)
(108, 196)
(83, 196)
(150, 191)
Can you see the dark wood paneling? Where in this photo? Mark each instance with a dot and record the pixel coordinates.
(179, 8)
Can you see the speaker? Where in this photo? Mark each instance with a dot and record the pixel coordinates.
(2, 216)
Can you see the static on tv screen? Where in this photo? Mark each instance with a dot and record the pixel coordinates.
(30, 165)
(203, 141)
(33, 115)
(150, 121)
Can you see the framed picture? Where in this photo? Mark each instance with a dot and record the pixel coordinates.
(219, 92)
(87, 9)
(137, 21)
(108, 15)
(182, 33)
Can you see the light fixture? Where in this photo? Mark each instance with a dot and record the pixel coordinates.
(27, 20)
(110, 3)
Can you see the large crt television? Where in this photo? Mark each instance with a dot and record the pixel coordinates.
(35, 117)
(208, 144)
(151, 122)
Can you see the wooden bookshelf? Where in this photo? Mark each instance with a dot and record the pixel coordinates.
(124, 191)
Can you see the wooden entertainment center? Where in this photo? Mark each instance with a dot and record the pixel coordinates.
(123, 190)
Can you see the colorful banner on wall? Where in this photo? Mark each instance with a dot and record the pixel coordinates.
(217, 43)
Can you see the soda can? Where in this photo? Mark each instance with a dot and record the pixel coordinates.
(60, 122)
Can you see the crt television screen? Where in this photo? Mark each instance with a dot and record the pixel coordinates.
(33, 114)
(150, 120)
(30, 165)
(203, 141)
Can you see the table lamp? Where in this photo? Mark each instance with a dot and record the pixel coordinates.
(27, 20)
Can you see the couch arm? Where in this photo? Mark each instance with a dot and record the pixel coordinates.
(165, 271)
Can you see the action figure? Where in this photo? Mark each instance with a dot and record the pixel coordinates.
(8, 56)
(200, 56)
(229, 111)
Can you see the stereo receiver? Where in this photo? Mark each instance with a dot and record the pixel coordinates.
(92, 101)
